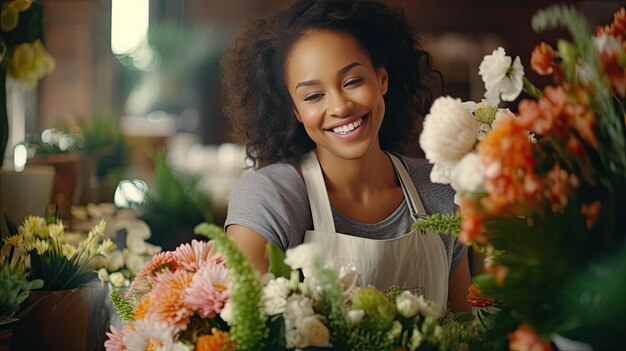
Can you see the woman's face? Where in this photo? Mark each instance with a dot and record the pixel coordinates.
(337, 93)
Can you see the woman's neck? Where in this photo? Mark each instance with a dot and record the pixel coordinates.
(357, 178)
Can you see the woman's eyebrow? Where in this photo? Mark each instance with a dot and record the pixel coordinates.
(342, 71)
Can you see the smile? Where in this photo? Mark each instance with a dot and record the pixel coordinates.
(347, 128)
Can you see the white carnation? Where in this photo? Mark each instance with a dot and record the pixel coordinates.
(303, 256)
(502, 78)
(450, 131)
(227, 312)
(469, 174)
(274, 296)
(356, 316)
(428, 308)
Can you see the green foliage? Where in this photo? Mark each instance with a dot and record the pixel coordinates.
(379, 311)
(333, 306)
(248, 328)
(276, 258)
(123, 307)
(14, 286)
(176, 201)
(449, 223)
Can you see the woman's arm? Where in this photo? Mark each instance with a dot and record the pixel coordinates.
(458, 285)
(252, 244)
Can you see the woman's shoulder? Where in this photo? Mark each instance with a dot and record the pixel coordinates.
(272, 180)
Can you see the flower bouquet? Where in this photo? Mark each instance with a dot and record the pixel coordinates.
(196, 298)
(542, 192)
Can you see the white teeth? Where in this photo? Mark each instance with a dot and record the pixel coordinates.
(348, 127)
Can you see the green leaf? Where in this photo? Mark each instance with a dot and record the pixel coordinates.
(276, 257)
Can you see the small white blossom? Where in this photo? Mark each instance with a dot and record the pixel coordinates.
(274, 296)
(303, 256)
(103, 275)
(503, 77)
(428, 308)
(406, 304)
(356, 316)
(117, 279)
(227, 312)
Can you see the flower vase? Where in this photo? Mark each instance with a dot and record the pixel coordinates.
(71, 320)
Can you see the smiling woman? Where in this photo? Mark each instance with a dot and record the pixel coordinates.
(322, 93)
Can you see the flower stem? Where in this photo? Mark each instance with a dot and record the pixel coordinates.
(531, 89)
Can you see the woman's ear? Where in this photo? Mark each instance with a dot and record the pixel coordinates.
(383, 79)
(297, 115)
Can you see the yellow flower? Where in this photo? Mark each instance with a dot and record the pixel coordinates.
(106, 247)
(30, 62)
(10, 13)
(41, 246)
(13, 240)
(68, 250)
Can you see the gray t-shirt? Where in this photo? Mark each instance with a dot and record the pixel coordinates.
(273, 202)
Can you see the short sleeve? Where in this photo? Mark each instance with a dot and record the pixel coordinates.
(267, 201)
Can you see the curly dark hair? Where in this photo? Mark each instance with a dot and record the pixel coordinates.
(258, 102)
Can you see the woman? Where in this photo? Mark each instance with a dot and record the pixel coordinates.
(320, 94)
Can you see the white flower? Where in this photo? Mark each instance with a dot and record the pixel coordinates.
(469, 174)
(297, 307)
(314, 332)
(115, 261)
(502, 79)
(396, 329)
(148, 333)
(117, 279)
(356, 316)
(227, 312)
(274, 296)
(428, 308)
(406, 304)
(450, 132)
(68, 250)
(303, 256)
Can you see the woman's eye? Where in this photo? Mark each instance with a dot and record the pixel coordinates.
(313, 97)
(352, 82)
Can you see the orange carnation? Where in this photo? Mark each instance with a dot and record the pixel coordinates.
(541, 60)
(217, 341)
(476, 298)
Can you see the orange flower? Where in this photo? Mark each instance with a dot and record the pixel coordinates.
(510, 176)
(476, 298)
(500, 272)
(618, 27)
(217, 341)
(167, 299)
(471, 224)
(558, 186)
(541, 60)
(591, 212)
(142, 308)
(524, 338)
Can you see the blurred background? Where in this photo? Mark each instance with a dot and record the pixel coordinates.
(131, 114)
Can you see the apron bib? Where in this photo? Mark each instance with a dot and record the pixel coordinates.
(416, 261)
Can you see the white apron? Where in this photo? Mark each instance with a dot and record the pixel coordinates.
(416, 261)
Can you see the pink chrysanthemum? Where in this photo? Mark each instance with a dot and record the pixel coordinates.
(208, 291)
(115, 339)
(192, 257)
(158, 262)
(167, 299)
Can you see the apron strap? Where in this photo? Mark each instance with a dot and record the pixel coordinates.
(408, 188)
(316, 191)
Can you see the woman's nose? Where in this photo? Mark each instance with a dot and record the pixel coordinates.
(339, 105)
